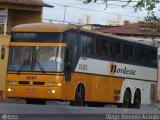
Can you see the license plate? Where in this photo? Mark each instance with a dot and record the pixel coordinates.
(30, 90)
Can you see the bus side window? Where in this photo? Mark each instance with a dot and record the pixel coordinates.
(140, 54)
(87, 44)
(118, 50)
(3, 53)
(148, 56)
(115, 49)
(125, 52)
(102, 47)
(131, 53)
(99, 47)
(154, 58)
(106, 48)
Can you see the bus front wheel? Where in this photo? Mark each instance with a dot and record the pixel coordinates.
(79, 96)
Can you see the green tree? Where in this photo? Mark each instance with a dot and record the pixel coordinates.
(148, 5)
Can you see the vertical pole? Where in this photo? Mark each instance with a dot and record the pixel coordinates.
(65, 7)
(158, 75)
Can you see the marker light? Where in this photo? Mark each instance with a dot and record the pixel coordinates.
(12, 82)
(54, 84)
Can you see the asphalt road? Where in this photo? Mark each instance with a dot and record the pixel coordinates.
(62, 111)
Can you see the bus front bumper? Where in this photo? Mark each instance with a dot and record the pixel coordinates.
(36, 92)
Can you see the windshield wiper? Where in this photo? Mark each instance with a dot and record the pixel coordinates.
(24, 63)
(40, 66)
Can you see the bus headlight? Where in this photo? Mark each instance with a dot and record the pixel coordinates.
(51, 91)
(10, 90)
(54, 84)
(12, 82)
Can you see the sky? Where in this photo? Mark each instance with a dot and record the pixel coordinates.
(73, 14)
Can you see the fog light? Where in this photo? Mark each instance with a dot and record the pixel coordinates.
(12, 82)
(51, 91)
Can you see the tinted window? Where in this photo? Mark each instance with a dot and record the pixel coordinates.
(140, 54)
(131, 53)
(154, 58)
(125, 52)
(151, 57)
(37, 37)
(87, 44)
(102, 47)
(72, 43)
(115, 49)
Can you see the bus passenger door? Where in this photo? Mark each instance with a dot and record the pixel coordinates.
(69, 87)
(71, 61)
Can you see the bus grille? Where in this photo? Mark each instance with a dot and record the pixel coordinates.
(30, 83)
(23, 82)
(38, 83)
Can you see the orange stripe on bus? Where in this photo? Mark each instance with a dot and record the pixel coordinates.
(37, 44)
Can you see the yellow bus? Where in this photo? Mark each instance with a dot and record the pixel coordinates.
(68, 63)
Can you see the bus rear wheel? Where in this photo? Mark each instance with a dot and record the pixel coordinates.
(36, 101)
(137, 99)
(79, 96)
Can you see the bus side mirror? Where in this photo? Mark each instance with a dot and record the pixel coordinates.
(3, 53)
(68, 65)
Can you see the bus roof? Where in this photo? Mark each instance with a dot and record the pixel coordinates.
(42, 27)
(50, 27)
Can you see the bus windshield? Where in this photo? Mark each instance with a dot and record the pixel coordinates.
(38, 59)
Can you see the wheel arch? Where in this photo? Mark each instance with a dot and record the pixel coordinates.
(139, 90)
(129, 89)
(77, 85)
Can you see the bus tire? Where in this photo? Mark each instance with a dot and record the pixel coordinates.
(79, 96)
(137, 99)
(127, 99)
(95, 104)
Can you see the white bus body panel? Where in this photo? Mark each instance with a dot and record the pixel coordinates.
(142, 79)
